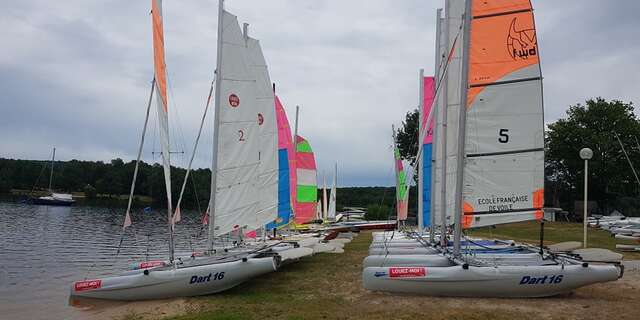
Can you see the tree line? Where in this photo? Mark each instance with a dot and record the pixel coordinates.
(98, 179)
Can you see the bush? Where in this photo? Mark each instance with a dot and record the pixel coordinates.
(378, 212)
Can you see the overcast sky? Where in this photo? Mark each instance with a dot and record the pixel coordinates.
(76, 74)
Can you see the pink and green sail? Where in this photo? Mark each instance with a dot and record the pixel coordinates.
(402, 194)
(307, 184)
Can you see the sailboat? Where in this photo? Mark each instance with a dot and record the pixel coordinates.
(498, 172)
(235, 83)
(306, 178)
(402, 190)
(331, 211)
(54, 198)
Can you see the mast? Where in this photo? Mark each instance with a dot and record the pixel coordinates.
(324, 196)
(295, 161)
(434, 144)
(216, 130)
(443, 154)
(53, 159)
(457, 209)
(420, 159)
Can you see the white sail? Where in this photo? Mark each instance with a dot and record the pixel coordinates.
(324, 197)
(265, 115)
(331, 212)
(504, 140)
(450, 71)
(319, 210)
(436, 179)
(236, 199)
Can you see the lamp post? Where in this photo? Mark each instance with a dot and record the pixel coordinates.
(586, 154)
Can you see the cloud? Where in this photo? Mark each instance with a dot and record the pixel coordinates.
(76, 74)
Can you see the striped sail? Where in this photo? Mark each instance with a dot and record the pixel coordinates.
(307, 185)
(504, 167)
(285, 165)
(162, 102)
(265, 115)
(428, 95)
(402, 193)
(237, 164)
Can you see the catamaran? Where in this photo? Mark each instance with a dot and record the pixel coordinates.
(238, 139)
(492, 87)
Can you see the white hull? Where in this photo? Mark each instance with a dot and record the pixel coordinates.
(501, 281)
(169, 282)
(403, 251)
(439, 260)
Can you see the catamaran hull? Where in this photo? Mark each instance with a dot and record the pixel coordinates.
(501, 281)
(167, 283)
(438, 260)
(429, 260)
(402, 251)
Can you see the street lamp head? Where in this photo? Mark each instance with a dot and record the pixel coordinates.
(586, 154)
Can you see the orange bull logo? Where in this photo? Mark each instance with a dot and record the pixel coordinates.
(521, 43)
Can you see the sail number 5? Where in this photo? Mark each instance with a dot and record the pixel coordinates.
(503, 135)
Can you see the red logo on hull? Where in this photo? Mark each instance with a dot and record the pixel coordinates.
(87, 285)
(150, 264)
(407, 272)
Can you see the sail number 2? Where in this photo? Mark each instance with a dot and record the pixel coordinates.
(241, 134)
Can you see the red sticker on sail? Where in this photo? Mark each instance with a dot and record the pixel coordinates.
(234, 101)
(407, 272)
(87, 285)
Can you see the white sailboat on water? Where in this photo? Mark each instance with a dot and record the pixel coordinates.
(54, 198)
(235, 88)
(498, 172)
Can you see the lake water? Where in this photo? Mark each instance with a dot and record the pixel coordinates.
(45, 248)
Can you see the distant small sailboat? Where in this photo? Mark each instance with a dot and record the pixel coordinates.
(54, 198)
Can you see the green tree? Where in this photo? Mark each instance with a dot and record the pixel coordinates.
(594, 124)
(407, 136)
